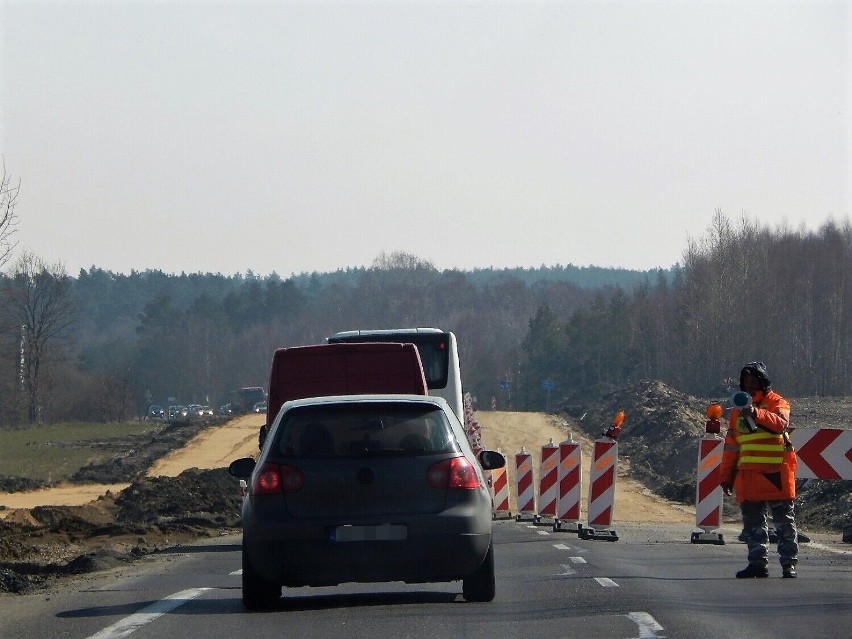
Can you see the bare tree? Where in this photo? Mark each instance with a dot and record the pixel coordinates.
(8, 216)
(401, 260)
(38, 307)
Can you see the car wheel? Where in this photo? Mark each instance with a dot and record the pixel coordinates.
(258, 593)
(480, 586)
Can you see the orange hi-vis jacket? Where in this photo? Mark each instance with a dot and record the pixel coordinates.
(760, 465)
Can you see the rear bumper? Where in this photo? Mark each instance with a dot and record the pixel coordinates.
(324, 563)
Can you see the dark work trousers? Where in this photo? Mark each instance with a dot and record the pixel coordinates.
(757, 534)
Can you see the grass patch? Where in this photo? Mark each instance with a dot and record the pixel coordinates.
(53, 452)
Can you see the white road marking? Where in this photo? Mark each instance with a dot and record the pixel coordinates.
(577, 560)
(561, 547)
(567, 571)
(648, 626)
(543, 532)
(237, 572)
(606, 582)
(132, 623)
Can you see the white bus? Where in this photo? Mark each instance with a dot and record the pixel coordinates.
(438, 353)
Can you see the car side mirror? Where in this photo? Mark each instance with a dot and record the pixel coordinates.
(242, 467)
(491, 460)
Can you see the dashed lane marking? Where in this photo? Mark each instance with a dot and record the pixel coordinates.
(606, 582)
(648, 626)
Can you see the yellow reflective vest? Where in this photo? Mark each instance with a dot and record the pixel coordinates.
(761, 465)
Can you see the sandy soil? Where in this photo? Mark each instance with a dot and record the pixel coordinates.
(213, 448)
(506, 431)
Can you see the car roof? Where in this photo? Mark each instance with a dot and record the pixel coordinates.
(355, 399)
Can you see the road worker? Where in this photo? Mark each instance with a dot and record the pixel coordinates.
(759, 466)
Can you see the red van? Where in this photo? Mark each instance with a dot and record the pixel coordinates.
(342, 369)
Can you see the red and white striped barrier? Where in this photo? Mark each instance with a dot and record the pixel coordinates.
(708, 491)
(471, 424)
(500, 494)
(568, 480)
(548, 488)
(823, 453)
(602, 490)
(525, 485)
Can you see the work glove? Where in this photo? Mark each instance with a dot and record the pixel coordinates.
(748, 411)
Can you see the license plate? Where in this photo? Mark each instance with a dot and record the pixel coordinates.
(384, 532)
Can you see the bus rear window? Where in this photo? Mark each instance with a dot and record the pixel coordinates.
(434, 349)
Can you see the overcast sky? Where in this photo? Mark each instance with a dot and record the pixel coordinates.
(292, 137)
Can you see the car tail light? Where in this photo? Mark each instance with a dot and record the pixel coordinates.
(275, 479)
(456, 472)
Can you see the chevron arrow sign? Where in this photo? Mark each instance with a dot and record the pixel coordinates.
(823, 453)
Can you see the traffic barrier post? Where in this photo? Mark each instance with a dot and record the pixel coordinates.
(525, 486)
(547, 483)
(708, 491)
(500, 493)
(602, 484)
(568, 481)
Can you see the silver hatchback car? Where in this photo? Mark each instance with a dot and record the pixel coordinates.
(366, 488)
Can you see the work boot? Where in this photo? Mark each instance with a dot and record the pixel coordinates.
(753, 571)
(789, 572)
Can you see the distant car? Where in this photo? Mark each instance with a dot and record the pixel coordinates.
(155, 412)
(366, 488)
(260, 407)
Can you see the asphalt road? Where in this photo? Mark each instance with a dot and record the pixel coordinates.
(650, 583)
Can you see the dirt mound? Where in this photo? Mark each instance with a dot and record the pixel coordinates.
(42, 543)
(660, 435)
(208, 496)
(16, 484)
(826, 504)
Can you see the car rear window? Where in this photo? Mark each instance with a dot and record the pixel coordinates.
(364, 430)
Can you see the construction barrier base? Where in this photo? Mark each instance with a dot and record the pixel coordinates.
(707, 538)
(524, 517)
(596, 534)
(567, 526)
(504, 514)
(545, 520)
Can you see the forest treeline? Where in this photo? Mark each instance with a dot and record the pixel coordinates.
(102, 345)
